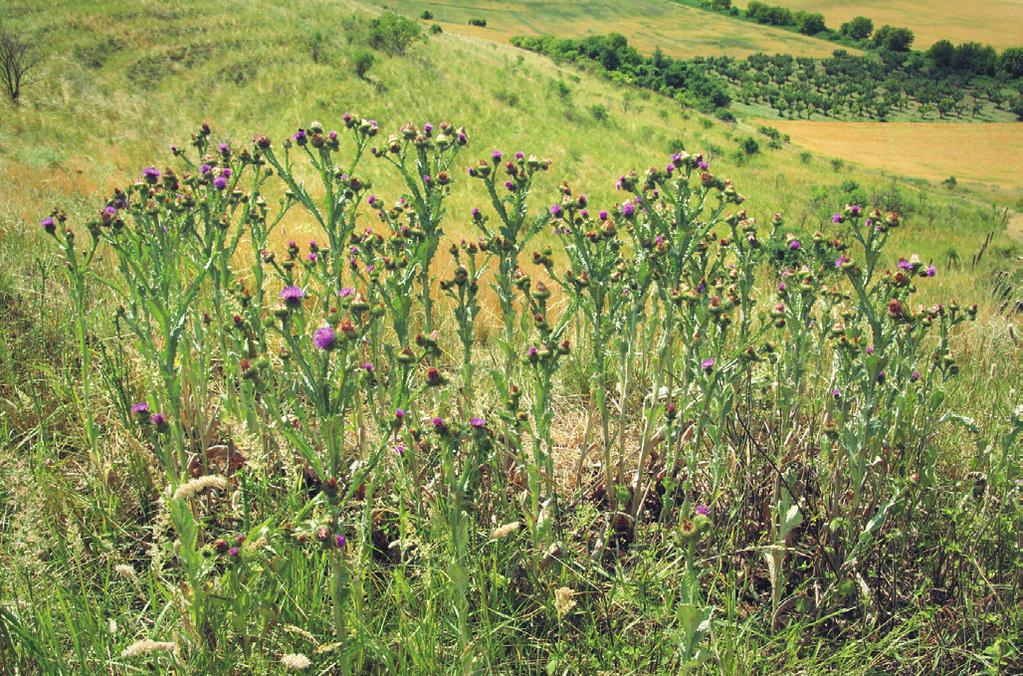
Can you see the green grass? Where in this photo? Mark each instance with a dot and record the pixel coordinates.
(124, 81)
(678, 30)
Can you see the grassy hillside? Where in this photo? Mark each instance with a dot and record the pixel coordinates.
(998, 22)
(678, 30)
(122, 85)
(453, 565)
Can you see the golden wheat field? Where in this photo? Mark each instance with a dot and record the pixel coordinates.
(994, 22)
(987, 153)
(678, 30)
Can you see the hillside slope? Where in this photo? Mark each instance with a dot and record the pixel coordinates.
(123, 83)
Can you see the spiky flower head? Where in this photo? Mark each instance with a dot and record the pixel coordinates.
(292, 296)
(325, 338)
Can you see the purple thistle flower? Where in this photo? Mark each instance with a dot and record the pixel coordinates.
(496, 155)
(477, 423)
(48, 224)
(220, 183)
(346, 292)
(205, 168)
(399, 449)
(702, 510)
(141, 410)
(300, 137)
(371, 200)
(311, 257)
(428, 128)
(703, 164)
(669, 168)
(836, 218)
(914, 376)
(340, 541)
(795, 244)
(836, 393)
(904, 264)
(602, 215)
(368, 367)
(855, 209)
(870, 349)
(399, 413)
(781, 286)
(841, 260)
(628, 209)
(931, 271)
(159, 421)
(438, 424)
(151, 174)
(226, 172)
(531, 351)
(475, 213)
(707, 364)
(233, 552)
(325, 338)
(509, 185)
(555, 210)
(520, 155)
(292, 296)
(224, 148)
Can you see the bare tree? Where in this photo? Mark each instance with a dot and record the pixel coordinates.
(18, 57)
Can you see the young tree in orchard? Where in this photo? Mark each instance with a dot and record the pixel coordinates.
(1011, 62)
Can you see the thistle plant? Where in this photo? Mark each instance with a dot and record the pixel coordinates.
(335, 210)
(424, 158)
(463, 289)
(515, 228)
(597, 280)
(543, 358)
(669, 218)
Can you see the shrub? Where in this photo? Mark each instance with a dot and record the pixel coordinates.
(599, 112)
(394, 34)
(427, 15)
(749, 146)
(859, 28)
(561, 89)
(482, 23)
(362, 61)
(893, 39)
(436, 29)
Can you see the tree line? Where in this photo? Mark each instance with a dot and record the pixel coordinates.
(861, 32)
(964, 82)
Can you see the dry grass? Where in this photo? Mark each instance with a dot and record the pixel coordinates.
(986, 153)
(678, 30)
(995, 22)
